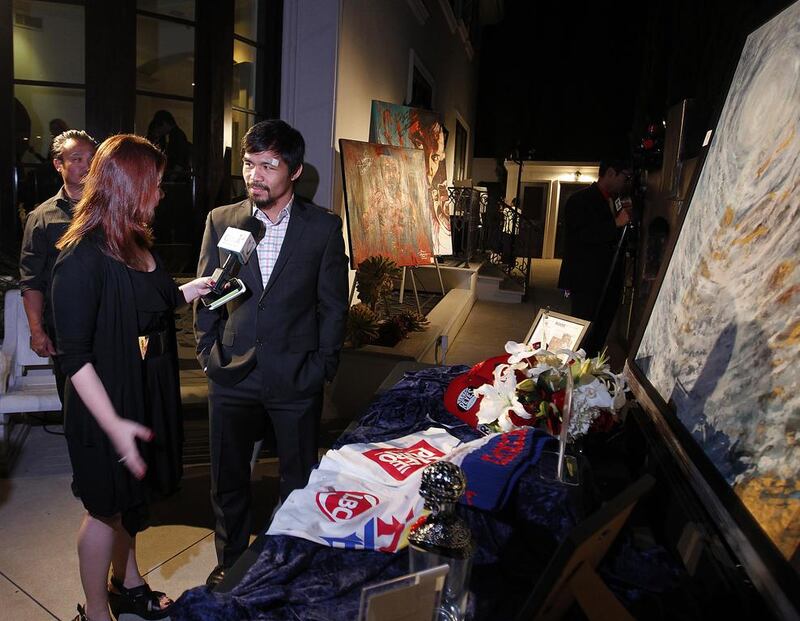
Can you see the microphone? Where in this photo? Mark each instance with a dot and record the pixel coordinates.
(239, 243)
(256, 228)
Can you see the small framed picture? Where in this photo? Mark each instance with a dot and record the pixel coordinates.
(413, 597)
(554, 331)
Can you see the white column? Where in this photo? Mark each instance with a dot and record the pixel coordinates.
(308, 88)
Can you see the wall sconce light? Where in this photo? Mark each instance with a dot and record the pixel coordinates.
(577, 174)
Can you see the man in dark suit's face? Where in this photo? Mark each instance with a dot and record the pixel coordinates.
(269, 182)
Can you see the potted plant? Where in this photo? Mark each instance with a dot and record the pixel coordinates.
(373, 321)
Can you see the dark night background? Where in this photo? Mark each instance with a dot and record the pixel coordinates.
(575, 81)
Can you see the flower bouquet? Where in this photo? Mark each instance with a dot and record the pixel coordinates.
(527, 387)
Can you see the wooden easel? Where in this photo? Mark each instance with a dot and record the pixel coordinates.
(414, 283)
(571, 577)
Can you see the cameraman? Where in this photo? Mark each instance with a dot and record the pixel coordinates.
(593, 227)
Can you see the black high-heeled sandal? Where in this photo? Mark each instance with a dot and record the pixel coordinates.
(137, 604)
(81, 614)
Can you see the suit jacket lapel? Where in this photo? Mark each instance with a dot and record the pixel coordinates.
(250, 272)
(294, 233)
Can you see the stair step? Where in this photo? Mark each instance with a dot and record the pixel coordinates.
(490, 271)
(509, 284)
(489, 290)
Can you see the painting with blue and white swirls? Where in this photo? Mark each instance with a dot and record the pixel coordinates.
(723, 339)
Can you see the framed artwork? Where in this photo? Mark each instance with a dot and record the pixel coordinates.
(413, 597)
(416, 128)
(557, 331)
(386, 200)
(718, 355)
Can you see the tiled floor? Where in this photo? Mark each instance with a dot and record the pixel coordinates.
(39, 516)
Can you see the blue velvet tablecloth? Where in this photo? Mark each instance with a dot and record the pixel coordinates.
(296, 579)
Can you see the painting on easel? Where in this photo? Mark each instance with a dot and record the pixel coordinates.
(722, 341)
(386, 200)
(416, 128)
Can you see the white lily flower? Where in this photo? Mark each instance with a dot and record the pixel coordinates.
(593, 395)
(518, 351)
(535, 372)
(577, 356)
(619, 392)
(504, 422)
(500, 397)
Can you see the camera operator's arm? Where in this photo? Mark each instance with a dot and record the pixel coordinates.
(623, 217)
(589, 223)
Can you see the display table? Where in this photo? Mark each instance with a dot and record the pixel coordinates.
(291, 578)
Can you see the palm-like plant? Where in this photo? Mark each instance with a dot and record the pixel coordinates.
(367, 323)
(363, 326)
(375, 279)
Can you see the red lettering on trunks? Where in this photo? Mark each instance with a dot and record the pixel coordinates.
(507, 449)
(401, 463)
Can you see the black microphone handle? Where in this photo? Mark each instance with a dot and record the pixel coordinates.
(223, 274)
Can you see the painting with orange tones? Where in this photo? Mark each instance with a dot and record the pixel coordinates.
(385, 191)
(417, 128)
(722, 344)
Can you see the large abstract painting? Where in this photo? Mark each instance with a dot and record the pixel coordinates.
(416, 128)
(385, 192)
(722, 344)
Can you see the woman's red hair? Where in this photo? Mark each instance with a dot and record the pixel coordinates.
(119, 199)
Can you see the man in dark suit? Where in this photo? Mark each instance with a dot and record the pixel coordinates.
(268, 352)
(593, 227)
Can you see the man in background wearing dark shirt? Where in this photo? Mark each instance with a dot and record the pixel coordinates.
(593, 227)
(72, 153)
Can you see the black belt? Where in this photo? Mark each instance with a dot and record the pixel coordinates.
(153, 344)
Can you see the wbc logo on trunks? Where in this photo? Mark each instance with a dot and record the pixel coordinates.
(401, 463)
(339, 506)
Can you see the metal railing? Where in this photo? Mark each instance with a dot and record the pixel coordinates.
(492, 230)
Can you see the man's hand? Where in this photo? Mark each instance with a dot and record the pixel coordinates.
(623, 217)
(41, 344)
(33, 303)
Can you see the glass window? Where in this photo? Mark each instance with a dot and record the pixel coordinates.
(244, 104)
(246, 19)
(242, 121)
(43, 105)
(164, 57)
(147, 106)
(48, 41)
(182, 9)
(244, 75)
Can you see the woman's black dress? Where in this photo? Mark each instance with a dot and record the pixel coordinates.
(155, 293)
(102, 309)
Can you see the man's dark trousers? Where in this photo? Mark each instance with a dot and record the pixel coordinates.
(238, 416)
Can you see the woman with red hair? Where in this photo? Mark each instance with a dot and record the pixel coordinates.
(113, 304)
